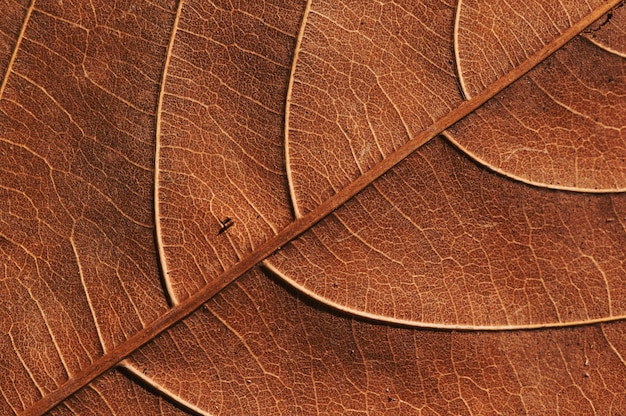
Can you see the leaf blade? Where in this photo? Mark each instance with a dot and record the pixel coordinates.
(148, 335)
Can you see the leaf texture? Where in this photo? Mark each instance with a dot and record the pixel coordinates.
(350, 105)
(578, 146)
(229, 73)
(494, 37)
(115, 393)
(154, 153)
(608, 32)
(422, 248)
(260, 348)
(80, 270)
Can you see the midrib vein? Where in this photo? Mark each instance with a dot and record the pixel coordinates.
(304, 223)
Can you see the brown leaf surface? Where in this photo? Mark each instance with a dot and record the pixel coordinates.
(464, 248)
(114, 393)
(559, 127)
(153, 153)
(80, 270)
(260, 348)
(609, 32)
(227, 78)
(494, 37)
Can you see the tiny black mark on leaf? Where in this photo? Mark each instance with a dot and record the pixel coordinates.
(609, 16)
(225, 225)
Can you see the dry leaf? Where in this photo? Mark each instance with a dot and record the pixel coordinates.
(418, 207)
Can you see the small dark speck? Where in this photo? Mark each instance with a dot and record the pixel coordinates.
(225, 225)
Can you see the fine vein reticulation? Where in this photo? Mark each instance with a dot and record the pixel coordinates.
(300, 225)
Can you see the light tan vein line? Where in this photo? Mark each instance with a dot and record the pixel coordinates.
(173, 396)
(157, 157)
(302, 224)
(292, 75)
(457, 58)
(29, 11)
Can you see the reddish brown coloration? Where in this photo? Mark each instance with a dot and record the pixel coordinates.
(14, 14)
(258, 349)
(350, 104)
(221, 136)
(119, 395)
(609, 32)
(467, 248)
(560, 127)
(80, 273)
(492, 37)
(112, 116)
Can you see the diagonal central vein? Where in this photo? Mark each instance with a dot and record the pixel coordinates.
(304, 223)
